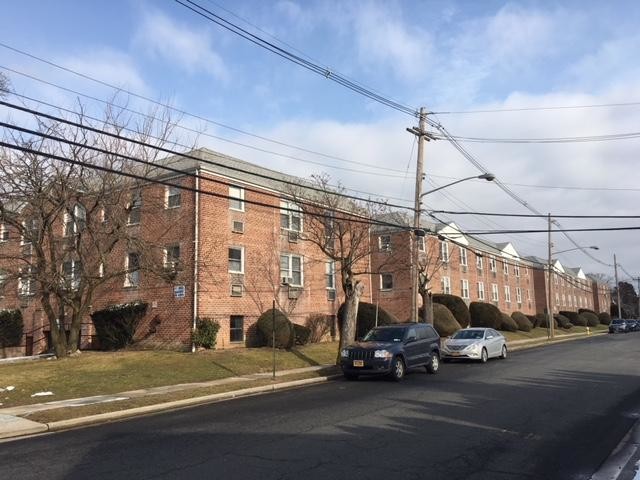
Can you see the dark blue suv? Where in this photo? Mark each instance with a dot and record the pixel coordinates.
(392, 349)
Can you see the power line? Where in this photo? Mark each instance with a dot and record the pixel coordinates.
(562, 230)
(296, 59)
(584, 139)
(528, 109)
(528, 215)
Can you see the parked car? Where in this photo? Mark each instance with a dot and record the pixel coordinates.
(392, 350)
(475, 344)
(618, 325)
(633, 325)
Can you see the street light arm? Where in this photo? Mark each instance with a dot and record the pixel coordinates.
(485, 176)
(592, 247)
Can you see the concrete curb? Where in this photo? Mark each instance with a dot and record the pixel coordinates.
(20, 427)
(176, 404)
(545, 342)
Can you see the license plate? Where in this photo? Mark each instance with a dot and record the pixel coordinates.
(358, 363)
(455, 354)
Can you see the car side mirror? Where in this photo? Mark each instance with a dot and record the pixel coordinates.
(489, 337)
(412, 338)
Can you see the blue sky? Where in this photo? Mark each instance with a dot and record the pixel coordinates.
(447, 56)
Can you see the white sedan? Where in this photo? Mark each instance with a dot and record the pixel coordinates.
(475, 344)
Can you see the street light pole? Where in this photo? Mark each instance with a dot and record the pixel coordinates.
(550, 321)
(615, 272)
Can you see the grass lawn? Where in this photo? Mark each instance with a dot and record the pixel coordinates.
(98, 373)
(541, 333)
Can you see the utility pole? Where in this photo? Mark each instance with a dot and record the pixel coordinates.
(638, 280)
(421, 133)
(615, 271)
(549, 270)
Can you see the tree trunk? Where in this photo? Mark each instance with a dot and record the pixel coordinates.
(352, 291)
(58, 337)
(427, 307)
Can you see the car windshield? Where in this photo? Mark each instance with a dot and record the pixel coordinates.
(468, 335)
(618, 321)
(385, 335)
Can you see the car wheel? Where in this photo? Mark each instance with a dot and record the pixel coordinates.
(397, 369)
(503, 354)
(351, 376)
(484, 356)
(434, 363)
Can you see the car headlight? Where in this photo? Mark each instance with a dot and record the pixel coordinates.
(472, 347)
(382, 354)
(344, 353)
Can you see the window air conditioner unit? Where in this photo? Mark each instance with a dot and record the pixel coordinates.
(464, 269)
(286, 281)
(236, 290)
(293, 237)
(331, 295)
(294, 293)
(238, 227)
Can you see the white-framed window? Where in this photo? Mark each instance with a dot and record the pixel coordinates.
(74, 223)
(386, 281)
(4, 233)
(481, 291)
(384, 243)
(172, 197)
(101, 270)
(26, 282)
(290, 216)
(555, 278)
(516, 270)
(505, 267)
(421, 244)
(492, 264)
(236, 198)
(507, 294)
(580, 301)
(71, 271)
(445, 284)
(236, 328)
(575, 301)
(135, 208)
(479, 261)
(291, 268)
(464, 288)
(444, 251)
(528, 295)
(330, 275)
(557, 299)
(518, 295)
(463, 256)
(171, 257)
(236, 259)
(132, 268)
(494, 292)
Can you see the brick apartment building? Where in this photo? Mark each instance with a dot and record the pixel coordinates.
(231, 241)
(458, 264)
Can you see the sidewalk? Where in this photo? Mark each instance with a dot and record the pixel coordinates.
(14, 424)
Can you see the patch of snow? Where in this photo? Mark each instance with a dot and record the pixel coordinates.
(9, 388)
(42, 394)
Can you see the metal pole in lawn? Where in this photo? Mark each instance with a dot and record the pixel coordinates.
(273, 337)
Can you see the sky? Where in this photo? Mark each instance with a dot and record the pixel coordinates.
(448, 57)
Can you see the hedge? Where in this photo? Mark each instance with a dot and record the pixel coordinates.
(206, 333)
(319, 326)
(485, 315)
(543, 321)
(456, 306)
(534, 320)
(522, 321)
(574, 318)
(301, 334)
(366, 319)
(605, 318)
(11, 328)
(284, 337)
(508, 324)
(562, 321)
(443, 320)
(116, 325)
(590, 318)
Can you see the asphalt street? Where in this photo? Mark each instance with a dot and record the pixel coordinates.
(548, 413)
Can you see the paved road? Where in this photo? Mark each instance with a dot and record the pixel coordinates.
(549, 413)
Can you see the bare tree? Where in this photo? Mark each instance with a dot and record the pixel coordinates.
(340, 228)
(602, 279)
(5, 85)
(66, 196)
(429, 262)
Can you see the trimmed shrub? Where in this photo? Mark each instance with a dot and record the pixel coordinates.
(319, 326)
(443, 320)
(508, 324)
(534, 320)
(485, 315)
(284, 329)
(582, 310)
(366, 319)
(206, 334)
(562, 321)
(543, 321)
(456, 306)
(605, 318)
(301, 334)
(590, 318)
(574, 318)
(117, 324)
(11, 328)
(524, 324)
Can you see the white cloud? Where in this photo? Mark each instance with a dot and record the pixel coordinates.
(182, 45)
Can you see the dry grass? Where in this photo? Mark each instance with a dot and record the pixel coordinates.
(101, 373)
(541, 333)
